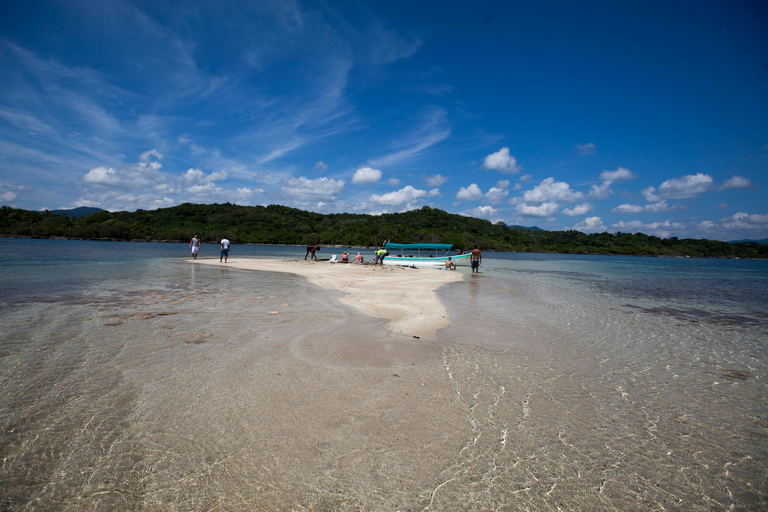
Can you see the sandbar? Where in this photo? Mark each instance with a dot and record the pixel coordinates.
(404, 296)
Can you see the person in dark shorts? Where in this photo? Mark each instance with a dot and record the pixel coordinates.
(224, 250)
(475, 259)
(311, 250)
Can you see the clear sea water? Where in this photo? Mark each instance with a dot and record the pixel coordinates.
(589, 382)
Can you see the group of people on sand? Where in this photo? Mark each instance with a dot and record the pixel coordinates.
(194, 245)
(474, 260)
(312, 249)
(379, 255)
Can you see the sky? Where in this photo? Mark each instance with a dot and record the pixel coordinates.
(596, 116)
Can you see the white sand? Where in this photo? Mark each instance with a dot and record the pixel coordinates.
(404, 296)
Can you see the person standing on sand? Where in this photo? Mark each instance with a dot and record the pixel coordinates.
(475, 259)
(311, 250)
(195, 246)
(224, 250)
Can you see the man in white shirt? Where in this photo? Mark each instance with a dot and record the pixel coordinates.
(224, 250)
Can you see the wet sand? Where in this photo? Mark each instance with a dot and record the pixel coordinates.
(404, 296)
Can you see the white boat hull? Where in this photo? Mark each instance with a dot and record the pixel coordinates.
(421, 261)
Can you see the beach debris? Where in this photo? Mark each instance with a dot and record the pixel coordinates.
(417, 337)
(199, 338)
(734, 374)
(286, 304)
(118, 319)
(274, 312)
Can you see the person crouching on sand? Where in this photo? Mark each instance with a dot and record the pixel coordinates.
(380, 255)
(311, 250)
(449, 265)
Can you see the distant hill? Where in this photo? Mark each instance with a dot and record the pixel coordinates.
(275, 224)
(746, 241)
(82, 211)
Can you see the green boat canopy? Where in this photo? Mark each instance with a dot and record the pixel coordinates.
(444, 247)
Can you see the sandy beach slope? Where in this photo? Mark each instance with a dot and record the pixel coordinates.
(404, 296)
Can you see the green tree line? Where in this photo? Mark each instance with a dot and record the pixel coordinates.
(275, 224)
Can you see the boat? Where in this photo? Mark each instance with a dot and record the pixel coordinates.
(422, 255)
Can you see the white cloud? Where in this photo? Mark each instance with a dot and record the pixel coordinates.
(145, 156)
(628, 209)
(102, 176)
(660, 229)
(483, 212)
(586, 149)
(470, 193)
(541, 210)
(590, 225)
(130, 177)
(115, 201)
(502, 161)
(305, 189)
(736, 182)
(661, 206)
(577, 210)
(649, 193)
(398, 197)
(9, 192)
(658, 207)
(366, 176)
(393, 182)
(435, 192)
(496, 195)
(551, 190)
(210, 193)
(601, 191)
(608, 178)
(436, 180)
(617, 176)
(144, 173)
(320, 166)
(743, 220)
(686, 187)
(198, 176)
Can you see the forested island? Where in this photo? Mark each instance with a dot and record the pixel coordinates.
(275, 224)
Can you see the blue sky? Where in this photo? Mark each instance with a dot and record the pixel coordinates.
(598, 116)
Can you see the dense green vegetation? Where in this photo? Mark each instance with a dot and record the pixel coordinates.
(283, 225)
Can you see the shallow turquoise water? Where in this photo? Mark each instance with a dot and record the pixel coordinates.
(588, 382)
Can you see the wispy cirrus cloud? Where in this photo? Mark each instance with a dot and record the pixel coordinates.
(433, 129)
